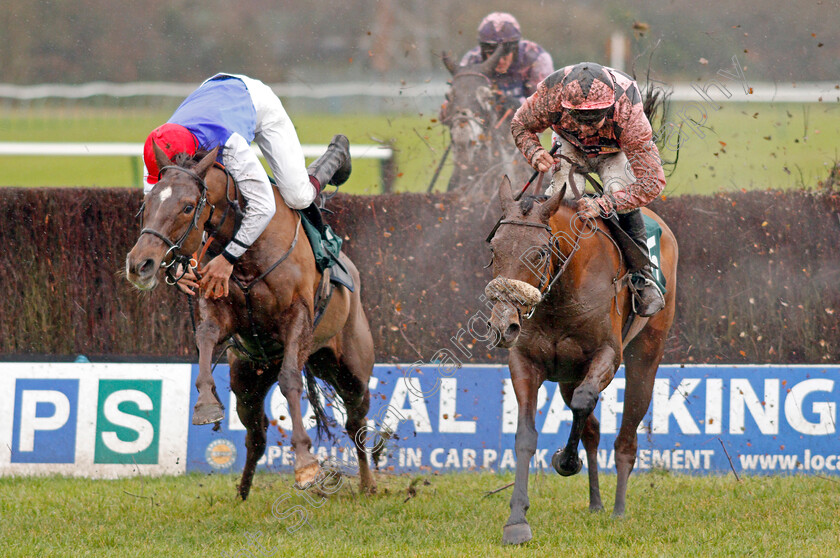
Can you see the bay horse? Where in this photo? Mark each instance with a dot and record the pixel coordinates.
(269, 313)
(560, 305)
(478, 118)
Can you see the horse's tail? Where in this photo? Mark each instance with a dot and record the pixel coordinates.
(322, 421)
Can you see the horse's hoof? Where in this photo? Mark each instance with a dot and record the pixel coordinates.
(306, 475)
(517, 534)
(208, 414)
(566, 467)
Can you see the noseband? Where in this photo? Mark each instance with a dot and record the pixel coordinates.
(175, 246)
(546, 280)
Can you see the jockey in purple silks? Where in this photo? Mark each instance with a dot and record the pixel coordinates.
(523, 66)
(525, 63)
(598, 119)
(230, 111)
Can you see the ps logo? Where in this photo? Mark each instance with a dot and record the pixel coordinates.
(46, 425)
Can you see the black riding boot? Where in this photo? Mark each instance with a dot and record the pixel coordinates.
(313, 213)
(333, 167)
(649, 299)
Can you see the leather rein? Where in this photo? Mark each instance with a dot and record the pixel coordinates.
(547, 279)
(191, 262)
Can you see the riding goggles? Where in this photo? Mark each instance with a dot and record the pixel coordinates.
(588, 117)
(487, 49)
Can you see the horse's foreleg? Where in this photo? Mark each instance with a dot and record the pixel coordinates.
(208, 408)
(526, 384)
(298, 340)
(599, 374)
(250, 391)
(591, 437)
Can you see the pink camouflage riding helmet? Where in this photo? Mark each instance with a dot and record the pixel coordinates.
(497, 28)
(588, 91)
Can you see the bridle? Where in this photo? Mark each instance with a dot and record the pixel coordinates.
(175, 246)
(470, 117)
(547, 280)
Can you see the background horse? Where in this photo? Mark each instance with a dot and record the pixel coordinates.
(478, 117)
(269, 313)
(568, 277)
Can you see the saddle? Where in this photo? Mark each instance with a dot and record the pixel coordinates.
(326, 247)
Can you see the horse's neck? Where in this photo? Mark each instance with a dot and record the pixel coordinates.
(583, 252)
(223, 223)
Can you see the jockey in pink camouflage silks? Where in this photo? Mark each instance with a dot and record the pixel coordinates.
(598, 120)
(525, 63)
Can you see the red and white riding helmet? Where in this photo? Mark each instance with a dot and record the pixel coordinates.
(172, 139)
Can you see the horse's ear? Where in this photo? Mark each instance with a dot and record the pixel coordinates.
(160, 157)
(449, 63)
(506, 196)
(548, 208)
(204, 165)
(489, 65)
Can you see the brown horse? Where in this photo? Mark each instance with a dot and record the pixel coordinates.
(566, 276)
(478, 118)
(269, 314)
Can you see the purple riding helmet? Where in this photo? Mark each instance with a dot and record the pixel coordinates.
(498, 28)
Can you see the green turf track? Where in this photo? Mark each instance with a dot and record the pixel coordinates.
(198, 515)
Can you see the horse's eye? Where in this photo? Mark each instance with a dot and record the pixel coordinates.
(188, 208)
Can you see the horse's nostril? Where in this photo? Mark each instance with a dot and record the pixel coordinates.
(512, 331)
(147, 267)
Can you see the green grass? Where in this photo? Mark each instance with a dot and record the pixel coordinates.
(198, 515)
(750, 146)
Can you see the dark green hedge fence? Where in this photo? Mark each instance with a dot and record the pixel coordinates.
(758, 276)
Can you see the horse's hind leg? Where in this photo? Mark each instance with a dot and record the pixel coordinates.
(591, 437)
(354, 392)
(298, 340)
(355, 367)
(641, 361)
(250, 390)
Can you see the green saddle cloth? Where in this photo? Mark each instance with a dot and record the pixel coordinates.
(325, 247)
(654, 233)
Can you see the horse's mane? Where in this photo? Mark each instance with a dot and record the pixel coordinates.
(187, 161)
(527, 203)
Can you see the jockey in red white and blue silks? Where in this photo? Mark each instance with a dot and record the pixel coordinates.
(598, 120)
(231, 111)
